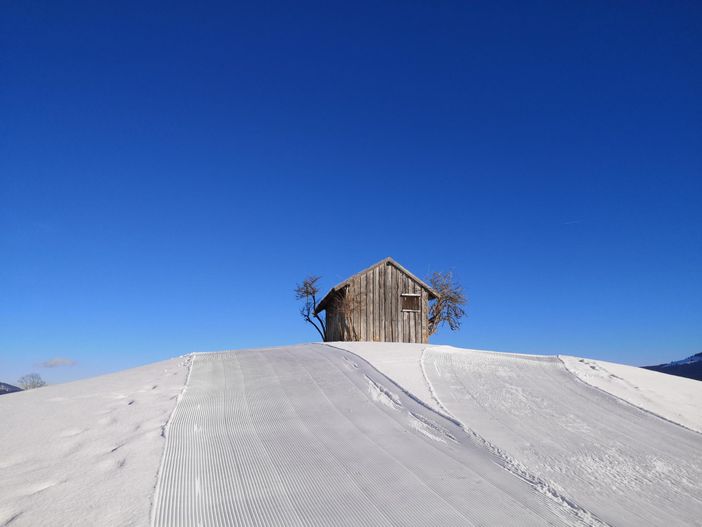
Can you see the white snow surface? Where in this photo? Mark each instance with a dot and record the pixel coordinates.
(622, 464)
(401, 362)
(356, 434)
(86, 453)
(311, 435)
(677, 399)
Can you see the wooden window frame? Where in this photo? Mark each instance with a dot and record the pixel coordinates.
(411, 295)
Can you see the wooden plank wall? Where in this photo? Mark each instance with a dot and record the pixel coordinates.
(387, 290)
(331, 321)
(425, 316)
(377, 314)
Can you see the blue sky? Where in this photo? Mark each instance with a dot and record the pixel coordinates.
(169, 171)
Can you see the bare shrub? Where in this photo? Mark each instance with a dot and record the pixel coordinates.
(31, 381)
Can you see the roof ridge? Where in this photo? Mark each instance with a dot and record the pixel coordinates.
(387, 260)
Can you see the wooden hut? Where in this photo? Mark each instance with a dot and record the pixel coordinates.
(384, 303)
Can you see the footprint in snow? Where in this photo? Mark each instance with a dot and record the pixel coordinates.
(11, 519)
(71, 432)
(117, 448)
(40, 487)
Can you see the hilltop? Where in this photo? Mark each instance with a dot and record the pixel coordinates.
(356, 433)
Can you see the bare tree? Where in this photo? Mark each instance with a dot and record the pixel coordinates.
(308, 291)
(31, 381)
(448, 307)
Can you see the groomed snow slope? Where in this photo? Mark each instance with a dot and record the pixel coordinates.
(86, 453)
(310, 435)
(624, 465)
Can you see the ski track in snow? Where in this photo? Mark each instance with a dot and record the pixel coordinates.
(310, 435)
(623, 464)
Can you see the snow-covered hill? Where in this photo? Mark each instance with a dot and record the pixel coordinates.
(311, 435)
(8, 388)
(86, 453)
(602, 440)
(356, 434)
(690, 367)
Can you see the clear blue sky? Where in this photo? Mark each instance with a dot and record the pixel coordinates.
(168, 172)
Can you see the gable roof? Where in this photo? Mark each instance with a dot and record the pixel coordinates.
(385, 261)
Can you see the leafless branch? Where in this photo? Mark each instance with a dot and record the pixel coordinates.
(448, 307)
(307, 291)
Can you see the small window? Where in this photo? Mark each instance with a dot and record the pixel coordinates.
(410, 302)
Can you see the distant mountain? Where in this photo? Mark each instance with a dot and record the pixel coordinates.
(8, 388)
(690, 367)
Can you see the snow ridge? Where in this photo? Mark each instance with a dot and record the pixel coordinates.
(671, 398)
(617, 463)
(622, 400)
(188, 363)
(416, 420)
(513, 466)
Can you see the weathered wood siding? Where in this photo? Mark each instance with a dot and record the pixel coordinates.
(377, 309)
